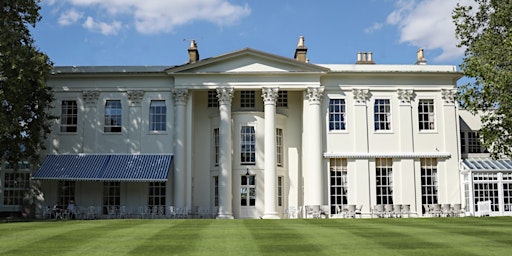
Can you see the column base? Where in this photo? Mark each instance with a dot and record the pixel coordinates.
(225, 217)
(271, 215)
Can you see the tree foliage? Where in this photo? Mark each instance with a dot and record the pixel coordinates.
(483, 28)
(24, 96)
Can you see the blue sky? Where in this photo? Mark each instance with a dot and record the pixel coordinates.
(156, 32)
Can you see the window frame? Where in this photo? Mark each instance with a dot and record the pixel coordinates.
(337, 119)
(473, 142)
(216, 191)
(247, 99)
(212, 100)
(248, 190)
(216, 146)
(382, 119)
(14, 186)
(66, 191)
(247, 145)
(384, 180)
(68, 116)
(113, 121)
(111, 195)
(156, 194)
(427, 119)
(338, 184)
(280, 191)
(279, 147)
(429, 181)
(282, 99)
(157, 116)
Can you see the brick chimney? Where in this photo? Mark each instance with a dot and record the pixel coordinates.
(300, 52)
(365, 58)
(421, 57)
(193, 53)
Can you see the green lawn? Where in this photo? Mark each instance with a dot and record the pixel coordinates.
(432, 236)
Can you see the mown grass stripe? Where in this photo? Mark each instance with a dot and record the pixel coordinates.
(175, 237)
(346, 236)
(435, 236)
(278, 236)
(120, 238)
(31, 237)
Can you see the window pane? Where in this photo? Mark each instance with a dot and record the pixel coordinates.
(336, 114)
(339, 185)
(113, 116)
(382, 113)
(384, 180)
(282, 99)
(426, 115)
(247, 145)
(69, 115)
(247, 99)
(157, 115)
(428, 181)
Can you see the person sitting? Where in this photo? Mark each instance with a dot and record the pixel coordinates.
(57, 211)
(71, 210)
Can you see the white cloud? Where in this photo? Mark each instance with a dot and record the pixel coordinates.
(376, 26)
(69, 17)
(157, 16)
(102, 27)
(427, 24)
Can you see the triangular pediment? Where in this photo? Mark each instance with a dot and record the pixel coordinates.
(247, 61)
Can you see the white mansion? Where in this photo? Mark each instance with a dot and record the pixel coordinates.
(250, 134)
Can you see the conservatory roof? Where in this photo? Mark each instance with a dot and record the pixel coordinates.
(486, 164)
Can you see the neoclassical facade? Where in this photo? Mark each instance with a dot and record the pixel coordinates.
(250, 134)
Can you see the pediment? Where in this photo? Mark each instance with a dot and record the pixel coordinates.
(247, 61)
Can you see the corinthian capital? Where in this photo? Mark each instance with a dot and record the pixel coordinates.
(361, 96)
(91, 97)
(180, 96)
(449, 96)
(269, 95)
(315, 94)
(405, 96)
(225, 94)
(135, 97)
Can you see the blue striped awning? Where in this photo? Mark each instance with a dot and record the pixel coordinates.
(82, 167)
(486, 164)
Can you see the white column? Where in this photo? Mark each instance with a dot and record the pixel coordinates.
(361, 128)
(180, 172)
(448, 123)
(313, 185)
(189, 154)
(225, 148)
(404, 190)
(270, 174)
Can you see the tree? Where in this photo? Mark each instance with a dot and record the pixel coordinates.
(24, 96)
(483, 29)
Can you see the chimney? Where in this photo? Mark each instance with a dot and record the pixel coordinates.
(421, 57)
(300, 52)
(365, 58)
(193, 53)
